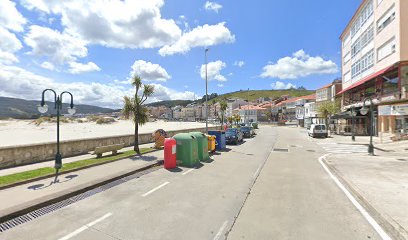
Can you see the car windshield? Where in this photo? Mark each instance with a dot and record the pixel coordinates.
(245, 129)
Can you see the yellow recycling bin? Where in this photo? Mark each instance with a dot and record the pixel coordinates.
(211, 143)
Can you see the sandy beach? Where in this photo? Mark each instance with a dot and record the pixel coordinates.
(20, 132)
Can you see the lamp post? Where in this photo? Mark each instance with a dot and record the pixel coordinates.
(43, 108)
(206, 91)
(364, 111)
(353, 113)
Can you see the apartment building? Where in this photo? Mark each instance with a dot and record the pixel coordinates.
(375, 64)
(329, 91)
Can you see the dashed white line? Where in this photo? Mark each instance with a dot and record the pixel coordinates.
(219, 233)
(360, 208)
(155, 189)
(186, 172)
(83, 228)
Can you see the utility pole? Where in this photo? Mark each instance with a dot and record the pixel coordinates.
(206, 92)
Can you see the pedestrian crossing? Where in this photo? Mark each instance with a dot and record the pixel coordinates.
(343, 148)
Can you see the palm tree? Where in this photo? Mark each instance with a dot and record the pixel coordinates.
(223, 107)
(133, 107)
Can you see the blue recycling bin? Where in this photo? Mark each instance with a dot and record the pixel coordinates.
(219, 139)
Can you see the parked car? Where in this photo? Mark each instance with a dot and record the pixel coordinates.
(233, 136)
(248, 132)
(318, 130)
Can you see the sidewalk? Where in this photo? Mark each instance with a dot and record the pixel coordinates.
(34, 193)
(50, 163)
(381, 183)
(399, 148)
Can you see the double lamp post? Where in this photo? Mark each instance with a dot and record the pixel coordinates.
(364, 111)
(43, 108)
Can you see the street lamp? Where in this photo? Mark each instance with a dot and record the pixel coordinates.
(206, 91)
(353, 113)
(43, 108)
(364, 110)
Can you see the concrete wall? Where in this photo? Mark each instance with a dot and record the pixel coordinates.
(11, 156)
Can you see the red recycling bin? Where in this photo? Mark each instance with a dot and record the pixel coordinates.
(170, 153)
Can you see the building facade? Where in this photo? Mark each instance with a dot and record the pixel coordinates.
(375, 64)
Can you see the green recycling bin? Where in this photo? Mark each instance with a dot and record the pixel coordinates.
(186, 150)
(202, 144)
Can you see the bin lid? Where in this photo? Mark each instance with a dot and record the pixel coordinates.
(182, 136)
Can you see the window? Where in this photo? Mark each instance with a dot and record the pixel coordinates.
(363, 64)
(362, 41)
(365, 14)
(386, 19)
(346, 39)
(347, 76)
(379, 2)
(390, 82)
(347, 57)
(386, 49)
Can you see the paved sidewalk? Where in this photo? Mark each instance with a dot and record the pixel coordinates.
(30, 194)
(50, 163)
(381, 182)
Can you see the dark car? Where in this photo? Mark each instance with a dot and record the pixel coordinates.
(233, 136)
(248, 132)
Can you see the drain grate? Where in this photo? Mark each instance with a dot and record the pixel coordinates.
(281, 150)
(401, 159)
(309, 150)
(53, 207)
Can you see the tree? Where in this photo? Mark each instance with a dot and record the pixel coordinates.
(327, 109)
(133, 106)
(230, 119)
(223, 107)
(237, 118)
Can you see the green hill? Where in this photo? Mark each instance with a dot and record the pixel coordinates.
(170, 103)
(27, 109)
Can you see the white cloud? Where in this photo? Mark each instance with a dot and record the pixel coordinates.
(77, 68)
(281, 85)
(114, 23)
(7, 58)
(299, 65)
(220, 85)
(201, 36)
(47, 65)
(20, 83)
(149, 71)
(10, 17)
(59, 47)
(212, 6)
(214, 71)
(9, 44)
(239, 63)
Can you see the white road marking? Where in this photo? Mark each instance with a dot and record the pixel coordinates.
(155, 189)
(83, 228)
(218, 235)
(343, 148)
(360, 208)
(186, 172)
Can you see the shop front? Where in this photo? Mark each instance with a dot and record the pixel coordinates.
(393, 119)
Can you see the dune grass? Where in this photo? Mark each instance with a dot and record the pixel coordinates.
(32, 174)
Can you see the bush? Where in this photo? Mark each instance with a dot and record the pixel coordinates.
(105, 120)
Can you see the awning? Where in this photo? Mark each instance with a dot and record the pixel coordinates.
(366, 79)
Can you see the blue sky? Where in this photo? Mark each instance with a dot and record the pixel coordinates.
(91, 48)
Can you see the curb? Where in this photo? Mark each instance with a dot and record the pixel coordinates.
(391, 226)
(56, 199)
(68, 171)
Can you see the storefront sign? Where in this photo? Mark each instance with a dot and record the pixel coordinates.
(393, 110)
(399, 109)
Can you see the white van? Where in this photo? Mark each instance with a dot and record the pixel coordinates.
(318, 130)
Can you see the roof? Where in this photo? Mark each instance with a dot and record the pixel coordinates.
(249, 107)
(326, 86)
(354, 16)
(366, 79)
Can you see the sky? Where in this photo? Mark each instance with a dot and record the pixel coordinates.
(92, 48)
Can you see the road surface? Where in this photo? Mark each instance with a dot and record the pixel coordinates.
(255, 190)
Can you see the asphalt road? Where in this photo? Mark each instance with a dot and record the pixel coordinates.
(248, 192)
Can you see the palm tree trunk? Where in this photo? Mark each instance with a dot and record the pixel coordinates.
(136, 147)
